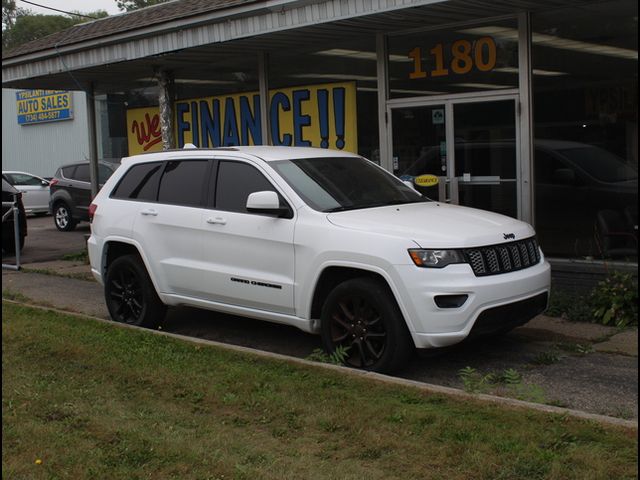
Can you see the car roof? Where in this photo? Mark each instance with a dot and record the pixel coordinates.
(266, 153)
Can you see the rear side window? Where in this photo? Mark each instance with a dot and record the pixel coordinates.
(82, 173)
(182, 182)
(235, 182)
(140, 182)
(67, 172)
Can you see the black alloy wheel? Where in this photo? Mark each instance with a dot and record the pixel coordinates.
(130, 295)
(361, 317)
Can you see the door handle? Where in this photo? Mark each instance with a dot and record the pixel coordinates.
(217, 221)
(149, 212)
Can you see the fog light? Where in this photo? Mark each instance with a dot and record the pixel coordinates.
(450, 301)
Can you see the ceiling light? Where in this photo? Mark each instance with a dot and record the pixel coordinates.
(557, 42)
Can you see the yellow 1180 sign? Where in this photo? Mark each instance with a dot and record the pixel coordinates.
(464, 56)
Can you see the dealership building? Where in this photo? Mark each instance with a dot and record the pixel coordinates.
(527, 108)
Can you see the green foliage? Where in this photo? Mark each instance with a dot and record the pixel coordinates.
(546, 358)
(615, 300)
(508, 382)
(569, 306)
(338, 356)
(26, 27)
(129, 5)
(82, 256)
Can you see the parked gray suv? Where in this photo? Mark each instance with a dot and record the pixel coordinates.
(70, 192)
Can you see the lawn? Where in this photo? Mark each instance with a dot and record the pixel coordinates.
(88, 400)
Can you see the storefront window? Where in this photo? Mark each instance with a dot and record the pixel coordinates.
(455, 60)
(585, 80)
(328, 94)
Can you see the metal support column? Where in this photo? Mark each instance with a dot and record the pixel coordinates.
(527, 212)
(93, 142)
(165, 104)
(263, 78)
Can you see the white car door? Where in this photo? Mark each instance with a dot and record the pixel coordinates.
(169, 229)
(249, 257)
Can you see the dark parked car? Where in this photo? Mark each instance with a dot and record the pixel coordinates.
(71, 192)
(9, 193)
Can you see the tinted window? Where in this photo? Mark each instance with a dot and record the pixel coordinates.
(67, 172)
(235, 182)
(344, 183)
(182, 182)
(23, 179)
(104, 173)
(140, 182)
(82, 173)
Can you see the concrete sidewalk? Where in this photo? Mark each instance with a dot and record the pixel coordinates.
(59, 289)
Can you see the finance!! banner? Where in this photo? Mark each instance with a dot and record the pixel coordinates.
(316, 115)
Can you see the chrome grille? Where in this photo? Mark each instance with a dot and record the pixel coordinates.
(503, 258)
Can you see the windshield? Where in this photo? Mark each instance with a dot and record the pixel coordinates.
(344, 183)
(600, 164)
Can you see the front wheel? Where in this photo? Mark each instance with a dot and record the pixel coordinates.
(62, 217)
(361, 319)
(130, 295)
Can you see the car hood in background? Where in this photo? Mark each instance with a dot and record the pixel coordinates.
(436, 225)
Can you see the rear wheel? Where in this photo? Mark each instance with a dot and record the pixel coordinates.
(62, 217)
(361, 319)
(9, 244)
(130, 295)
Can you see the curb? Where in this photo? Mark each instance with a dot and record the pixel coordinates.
(425, 387)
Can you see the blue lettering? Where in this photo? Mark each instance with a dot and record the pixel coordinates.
(195, 132)
(210, 124)
(183, 126)
(250, 123)
(299, 120)
(230, 124)
(278, 100)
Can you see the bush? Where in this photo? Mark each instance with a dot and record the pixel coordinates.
(615, 300)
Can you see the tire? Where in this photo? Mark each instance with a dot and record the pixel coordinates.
(62, 217)
(9, 244)
(362, 316)
(130, 295)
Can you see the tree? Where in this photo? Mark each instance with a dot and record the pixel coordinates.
(129, 5)
(23, 27)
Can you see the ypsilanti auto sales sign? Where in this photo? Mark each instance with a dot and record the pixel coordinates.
(314, 115)
(38, 106)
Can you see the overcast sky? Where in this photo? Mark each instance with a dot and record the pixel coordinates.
(70, 5)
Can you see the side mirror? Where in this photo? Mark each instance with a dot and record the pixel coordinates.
(564, 176)
(267, 202)
(44, 183)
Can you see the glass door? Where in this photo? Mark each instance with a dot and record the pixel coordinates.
(463, 151)
(420, 148)
(486, 155)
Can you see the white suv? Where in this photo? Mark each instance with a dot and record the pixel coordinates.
(322, 240)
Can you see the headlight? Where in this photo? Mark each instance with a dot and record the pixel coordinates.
(435, 258)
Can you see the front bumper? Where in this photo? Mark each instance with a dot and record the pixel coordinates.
(494, 303)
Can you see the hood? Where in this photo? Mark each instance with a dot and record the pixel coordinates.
(436, 225)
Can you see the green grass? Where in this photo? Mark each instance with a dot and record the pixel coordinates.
(93, 401)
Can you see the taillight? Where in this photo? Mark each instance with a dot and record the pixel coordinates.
(53, 181)
(92, 210)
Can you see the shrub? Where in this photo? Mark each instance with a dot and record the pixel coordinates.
(615, 300)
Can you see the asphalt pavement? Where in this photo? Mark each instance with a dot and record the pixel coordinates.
(582, 366)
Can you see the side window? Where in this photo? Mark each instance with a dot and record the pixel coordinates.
(68, 172)
(235, 182)
(22, 179)
(82, 173)
(182, 182)
(104, 173)
(140, 182)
